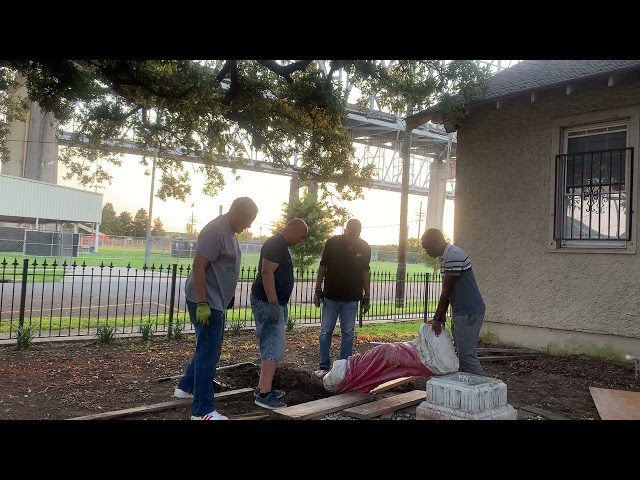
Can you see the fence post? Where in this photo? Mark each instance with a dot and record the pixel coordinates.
(172, 299)
(426, 297)
(23, 292)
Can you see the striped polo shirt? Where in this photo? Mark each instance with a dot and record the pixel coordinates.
(465, 298)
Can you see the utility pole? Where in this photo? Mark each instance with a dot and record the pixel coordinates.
(404, 210)
(147, 250)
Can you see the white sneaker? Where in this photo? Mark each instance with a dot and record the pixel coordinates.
(182, 394)
(209, 416)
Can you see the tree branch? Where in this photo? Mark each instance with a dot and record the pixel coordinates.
(285, 71)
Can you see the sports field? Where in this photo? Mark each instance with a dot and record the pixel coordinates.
(134, 258)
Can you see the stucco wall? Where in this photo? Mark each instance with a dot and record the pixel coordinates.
(502, 220)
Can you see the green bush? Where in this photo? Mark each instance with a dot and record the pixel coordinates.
(236, 325)
(177, 329)
(105, 333)
(146, 329)
(25, 336)
(291, 322)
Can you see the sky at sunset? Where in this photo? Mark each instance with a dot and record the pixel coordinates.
(129, 191)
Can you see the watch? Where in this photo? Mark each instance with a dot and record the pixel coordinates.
(438, 317)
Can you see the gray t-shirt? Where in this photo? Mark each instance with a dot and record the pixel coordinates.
(218, 244)
(465, 298)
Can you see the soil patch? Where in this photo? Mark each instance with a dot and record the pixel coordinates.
(68, 379)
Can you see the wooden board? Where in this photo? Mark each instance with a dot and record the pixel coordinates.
(543, 413)
(383, 387)
(324, 406)
(389, 404)
(616, 404)
(156, 407)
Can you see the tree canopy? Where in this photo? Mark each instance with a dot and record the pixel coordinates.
(219, 112)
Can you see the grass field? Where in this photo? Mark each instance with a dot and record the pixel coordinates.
(134, 258)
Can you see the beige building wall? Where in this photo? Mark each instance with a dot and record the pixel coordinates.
(564, 302)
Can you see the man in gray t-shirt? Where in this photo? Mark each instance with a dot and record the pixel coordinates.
(460, 290)
(210, 290)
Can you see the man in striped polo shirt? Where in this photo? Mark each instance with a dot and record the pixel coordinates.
(460, 290)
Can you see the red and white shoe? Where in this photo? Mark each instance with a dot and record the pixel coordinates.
(209, 416)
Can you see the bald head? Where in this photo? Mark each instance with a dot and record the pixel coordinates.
(352, 230)
(295, 231)
(241, 214)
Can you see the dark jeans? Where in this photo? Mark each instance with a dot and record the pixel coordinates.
(199, 375)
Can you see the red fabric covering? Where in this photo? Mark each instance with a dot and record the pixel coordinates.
(382, 363)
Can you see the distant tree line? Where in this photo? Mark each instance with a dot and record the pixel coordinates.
(127, 225)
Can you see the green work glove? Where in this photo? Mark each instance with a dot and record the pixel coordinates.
(203, 312)
(273, 316)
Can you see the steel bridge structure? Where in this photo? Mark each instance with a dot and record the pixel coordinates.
(377, 137)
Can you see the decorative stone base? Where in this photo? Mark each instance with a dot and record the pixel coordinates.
(465, 396)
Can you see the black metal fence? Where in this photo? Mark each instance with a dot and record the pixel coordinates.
(74, 300)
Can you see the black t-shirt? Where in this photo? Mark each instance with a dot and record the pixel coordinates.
(276, 250)
(343, 278)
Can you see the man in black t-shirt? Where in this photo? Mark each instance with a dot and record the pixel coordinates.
(344, 267)
(270, 293)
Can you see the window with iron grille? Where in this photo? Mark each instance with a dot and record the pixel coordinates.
(593, 187)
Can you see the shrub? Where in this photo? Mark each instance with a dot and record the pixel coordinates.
(25, 336)
(146, 329)
(105, 333)
(176, 330)
(236, 325)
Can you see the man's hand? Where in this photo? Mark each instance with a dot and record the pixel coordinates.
(365, 303)
(231, 303)
(203, 312)
(274, 313)
(318, 297)
(437, 325)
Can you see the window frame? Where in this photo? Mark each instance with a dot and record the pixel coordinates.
(630, 115)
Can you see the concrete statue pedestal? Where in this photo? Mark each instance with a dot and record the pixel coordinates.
(465, 396)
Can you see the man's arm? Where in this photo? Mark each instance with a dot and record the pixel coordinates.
(199, 283)
(443, 303)
(322, 270)
(366, 277)
(269, 280)
(366, 282)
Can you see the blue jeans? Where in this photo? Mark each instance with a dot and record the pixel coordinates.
(466, 330)
(270, 336)
(199, 375)
(331, 310)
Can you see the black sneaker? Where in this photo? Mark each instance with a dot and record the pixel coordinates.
(270, 402)
(275, 391)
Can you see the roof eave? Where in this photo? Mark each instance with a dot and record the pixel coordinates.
(437, 116)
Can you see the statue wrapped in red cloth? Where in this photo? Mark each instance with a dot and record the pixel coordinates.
(427, 355)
